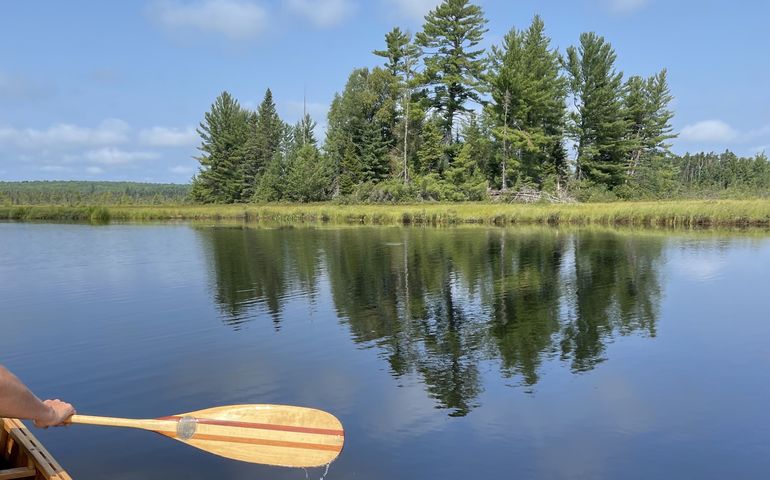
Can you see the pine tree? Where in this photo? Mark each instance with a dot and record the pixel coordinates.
(223, 133)
(528, 96)
(646, 104)
(430, 154)
(360, 123)
(308, 178)
(453, 67)
(396, 43)
(598, 125)
(402, 57)
(264, 141)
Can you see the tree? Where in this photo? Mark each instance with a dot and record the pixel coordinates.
(453, 68)
(402, 56)
(223, 133)
(308, 178)
(396, 43)
(598, 125)
(360, 133)
(528, 101)
(646, 105)
(266, 131)
(430, 154)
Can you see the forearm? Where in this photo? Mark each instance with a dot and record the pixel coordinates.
(18, 402)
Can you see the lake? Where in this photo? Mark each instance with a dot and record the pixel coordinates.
(447, 353)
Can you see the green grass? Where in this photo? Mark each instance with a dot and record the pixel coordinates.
(687, 213)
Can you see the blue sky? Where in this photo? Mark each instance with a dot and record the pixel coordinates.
(104, 90)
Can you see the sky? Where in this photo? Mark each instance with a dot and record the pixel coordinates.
(105, 90)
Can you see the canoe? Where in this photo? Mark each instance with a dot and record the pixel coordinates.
(23, 456)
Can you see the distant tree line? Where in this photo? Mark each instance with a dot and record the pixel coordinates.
(443, 119)
(91, 193)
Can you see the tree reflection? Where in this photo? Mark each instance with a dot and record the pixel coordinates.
(437, 303)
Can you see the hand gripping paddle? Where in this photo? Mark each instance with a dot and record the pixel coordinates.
(279, 435)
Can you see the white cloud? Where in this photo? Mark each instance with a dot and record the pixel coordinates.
(94, 170)
(169, 137)
(115, 156)
(709, 131)
(53, 168)
(324, 13)
(66, 135)
(182, 169)
(625, 6)
(236, 19)
(413, 9)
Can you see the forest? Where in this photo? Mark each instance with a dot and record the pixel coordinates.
(443, 119)
(91, 193)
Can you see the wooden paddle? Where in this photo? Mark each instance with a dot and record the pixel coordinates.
(280, 435)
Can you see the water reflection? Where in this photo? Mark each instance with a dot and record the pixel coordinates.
(438, 303)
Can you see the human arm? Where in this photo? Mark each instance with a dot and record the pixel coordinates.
(17, 401)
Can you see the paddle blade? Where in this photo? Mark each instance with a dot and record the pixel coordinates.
(279, 435)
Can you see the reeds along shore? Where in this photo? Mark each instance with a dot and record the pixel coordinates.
(687, 214)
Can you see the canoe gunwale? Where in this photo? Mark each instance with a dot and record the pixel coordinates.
(20, 449)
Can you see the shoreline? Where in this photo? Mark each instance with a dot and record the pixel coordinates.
(684, 214)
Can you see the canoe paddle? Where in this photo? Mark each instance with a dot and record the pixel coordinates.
(278, 435)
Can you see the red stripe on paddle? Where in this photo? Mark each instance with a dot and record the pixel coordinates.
(260, 441)
(261, 426)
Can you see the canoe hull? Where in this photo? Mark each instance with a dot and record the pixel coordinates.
(23, 456)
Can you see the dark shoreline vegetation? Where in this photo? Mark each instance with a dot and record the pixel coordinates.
(678, 214)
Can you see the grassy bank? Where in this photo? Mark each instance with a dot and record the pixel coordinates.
(691, 213)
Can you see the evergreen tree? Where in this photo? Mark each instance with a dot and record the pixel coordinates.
(304, 132)
(264, 141)
(528, 96)
(598, 126)
(270, 186)
(430, 154)
(308, 177)
(402, 57)
(646, 104)
(223, 132)
(396, 43)
(360, 133)
(453, 66)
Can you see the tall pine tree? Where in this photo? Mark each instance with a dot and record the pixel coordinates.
(528, 104)
(223, 133)
(264, 142)
(598, 125)
(454, 67)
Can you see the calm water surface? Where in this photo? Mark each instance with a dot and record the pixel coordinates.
(447, 353)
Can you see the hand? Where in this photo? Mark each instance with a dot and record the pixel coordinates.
(59, 412)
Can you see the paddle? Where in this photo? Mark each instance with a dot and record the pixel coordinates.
(279, 435)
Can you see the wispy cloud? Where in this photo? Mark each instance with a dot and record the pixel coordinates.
(624, 7)
(720, 134)
(182, 169)
(115, 156)
(235, 19)
(324, 13)
(169, 137)
(412, 9)
(709, 131)
(63, 135)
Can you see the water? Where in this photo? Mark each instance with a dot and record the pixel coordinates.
(447, 353)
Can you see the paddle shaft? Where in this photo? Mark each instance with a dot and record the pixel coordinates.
(163, 426)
